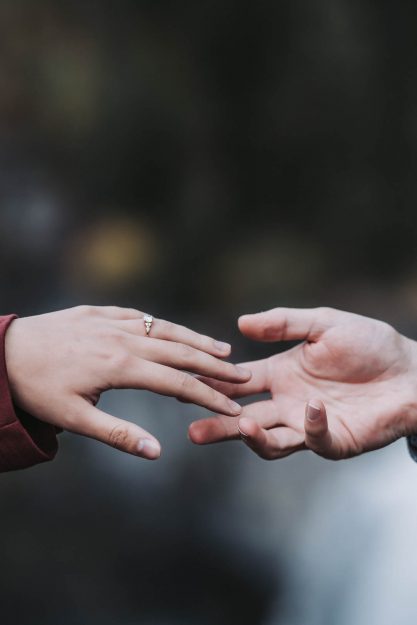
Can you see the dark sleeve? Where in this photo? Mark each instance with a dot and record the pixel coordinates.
(412, 446)
(24, 440)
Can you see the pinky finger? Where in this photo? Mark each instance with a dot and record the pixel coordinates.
(270, 444)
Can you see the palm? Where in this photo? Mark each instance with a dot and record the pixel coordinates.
(346, 368)
(357, 366)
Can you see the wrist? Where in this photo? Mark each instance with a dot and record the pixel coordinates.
(11, 357)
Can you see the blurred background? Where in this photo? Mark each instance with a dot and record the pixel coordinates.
(200, 160)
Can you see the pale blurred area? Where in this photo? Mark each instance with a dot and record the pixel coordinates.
(198, 160)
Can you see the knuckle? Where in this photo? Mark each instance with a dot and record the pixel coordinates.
(86, 310)
(122, 312)
(326, 311)
(386, 327)
(185, 352)
(185, 384)
(274, 327)
(106, 334)
(120, 360)
(226, 370)
(114, 335)
(283, 329)
(119, 436)
(215, 398)
(264, 327)
(115, 311)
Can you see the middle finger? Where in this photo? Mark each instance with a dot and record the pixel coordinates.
(143, 374)
(186, 358)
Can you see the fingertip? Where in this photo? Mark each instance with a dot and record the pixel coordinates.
(195, 433)
(317, 403)
(315, 411)
(318, 437)
(191, 432)
(244, 320)
(244, 374)
(234, 409)
(247, 428)
(223, 349)
(252, 325)
(149, 449)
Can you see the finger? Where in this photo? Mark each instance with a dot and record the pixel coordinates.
(219, 428)
(318, 437)
(111, 312)
(143, 374)
(288, 324)
(88, 420)
(169, 331)
(270, 444)
(185, 357)
(214, 430)
(258, 383)
(265, 413)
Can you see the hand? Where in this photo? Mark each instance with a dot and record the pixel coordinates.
(354, 377)
(60, 363)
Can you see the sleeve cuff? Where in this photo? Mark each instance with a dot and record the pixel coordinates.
(24, 440)
(412, 446)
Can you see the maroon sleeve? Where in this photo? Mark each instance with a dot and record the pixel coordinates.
(24, 440)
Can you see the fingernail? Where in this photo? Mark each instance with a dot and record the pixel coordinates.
(222, 347)
(242, 434)
(149, 449)
(234, 407)
(243, 373)
(312, 412)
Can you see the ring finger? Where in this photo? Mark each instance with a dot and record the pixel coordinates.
(168, 331)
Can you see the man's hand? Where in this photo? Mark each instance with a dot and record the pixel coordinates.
(59, 363)
(349, 387)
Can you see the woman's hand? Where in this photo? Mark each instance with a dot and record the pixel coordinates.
(350, 387)
(59, 364)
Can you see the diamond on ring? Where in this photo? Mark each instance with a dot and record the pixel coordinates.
(148, 321)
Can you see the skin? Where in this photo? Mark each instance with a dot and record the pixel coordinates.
(59, 364)
(349, 387)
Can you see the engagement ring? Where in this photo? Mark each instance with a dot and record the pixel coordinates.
(148, 321)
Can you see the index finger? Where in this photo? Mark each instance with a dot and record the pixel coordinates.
(220, 428)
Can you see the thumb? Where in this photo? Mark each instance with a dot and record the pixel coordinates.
(88, 420)
(318, 437)
(288, 324)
